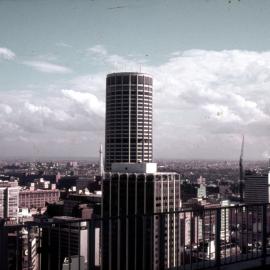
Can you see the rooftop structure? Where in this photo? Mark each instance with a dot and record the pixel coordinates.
(134, 167)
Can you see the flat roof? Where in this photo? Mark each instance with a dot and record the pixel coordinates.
(127, 73)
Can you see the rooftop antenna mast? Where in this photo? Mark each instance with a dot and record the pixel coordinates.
(101, 165)
(241, 171)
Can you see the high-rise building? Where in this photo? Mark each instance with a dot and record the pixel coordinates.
(257, 188)
(9, 199)
(138, 191)
(128, 118)
(132, 186)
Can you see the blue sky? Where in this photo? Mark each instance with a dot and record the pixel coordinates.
(209, 59)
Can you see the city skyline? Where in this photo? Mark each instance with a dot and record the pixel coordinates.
(210, 73)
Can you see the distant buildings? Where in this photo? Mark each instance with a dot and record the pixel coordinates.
(92, 183)
(201, 191)
(39, 193)
(188, 191)
(85, 205)
(37, 198)
(201, 181)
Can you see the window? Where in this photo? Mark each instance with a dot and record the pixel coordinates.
(125, 80)
(134, 79)
(140, 79)
(112, 80)
(118, 80)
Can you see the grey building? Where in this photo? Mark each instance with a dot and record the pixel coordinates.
(128, 131)
(257, 188)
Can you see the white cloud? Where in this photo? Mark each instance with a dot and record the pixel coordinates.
(236, 81)
(63, 44)
(203, 102)
(89, 101)
(221, 113)
(266, 155)
(115, 62)
(93, 83)
(5, 108)
(7, 54)
(38, 109)
(47, 67)
(221, 94)
(98, 49)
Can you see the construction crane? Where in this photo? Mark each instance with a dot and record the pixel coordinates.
(241, 171)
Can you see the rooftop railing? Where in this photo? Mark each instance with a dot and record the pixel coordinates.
(189, 239)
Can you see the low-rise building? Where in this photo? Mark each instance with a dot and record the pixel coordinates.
(37, 198)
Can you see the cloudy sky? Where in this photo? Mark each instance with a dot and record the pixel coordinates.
(210, 60)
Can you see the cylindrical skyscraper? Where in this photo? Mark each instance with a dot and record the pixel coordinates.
(128, 118)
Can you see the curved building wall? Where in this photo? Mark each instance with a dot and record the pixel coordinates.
(128, 135)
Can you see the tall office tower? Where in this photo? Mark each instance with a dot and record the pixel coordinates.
(128, 135)
(257, 188)
(9, 199)
(143, 240)
(132, 187)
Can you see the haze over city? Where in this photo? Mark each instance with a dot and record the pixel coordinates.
(209, 61)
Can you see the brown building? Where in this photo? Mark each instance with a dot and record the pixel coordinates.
(37, 198)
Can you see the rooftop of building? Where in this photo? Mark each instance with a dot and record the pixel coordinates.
(128, 73)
